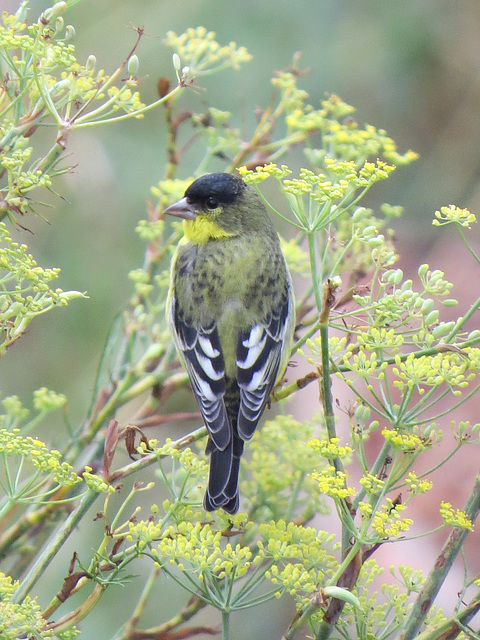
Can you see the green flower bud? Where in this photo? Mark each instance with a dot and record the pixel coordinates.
(335, 282)
(431, 318)
(91, 63)
(429, 430)
(377, 241)
(426, 307)
(370, 231)
(358, 214)
(394, 276)
(362, 414)
(422, 270)
(133, 64)
(436, 276)
(53, 12)
(177, 65)
(69, 32)
(443, 329)
(342, 594)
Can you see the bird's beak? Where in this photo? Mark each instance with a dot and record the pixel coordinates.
(182, 209)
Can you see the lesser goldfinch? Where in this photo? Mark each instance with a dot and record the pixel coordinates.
(231, 312)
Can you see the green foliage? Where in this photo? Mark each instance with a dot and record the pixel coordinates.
(360, 318)
(23, 620)
(25, 290)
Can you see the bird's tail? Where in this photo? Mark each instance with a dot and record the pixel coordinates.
(222, 488)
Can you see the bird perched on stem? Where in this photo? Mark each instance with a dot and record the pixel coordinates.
(231, 311)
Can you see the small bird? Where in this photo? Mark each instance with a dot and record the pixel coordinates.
(231, 311)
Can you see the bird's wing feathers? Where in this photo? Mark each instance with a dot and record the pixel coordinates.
(260, 352)
(201, 352)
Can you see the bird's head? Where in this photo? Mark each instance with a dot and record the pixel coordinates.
(219, 206)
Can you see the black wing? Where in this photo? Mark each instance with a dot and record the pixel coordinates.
(203, 359)
(261, 353)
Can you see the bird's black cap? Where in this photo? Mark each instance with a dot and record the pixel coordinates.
(222, 187)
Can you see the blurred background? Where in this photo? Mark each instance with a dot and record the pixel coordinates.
(412, 68)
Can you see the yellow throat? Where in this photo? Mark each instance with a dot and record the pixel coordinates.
(203, 229)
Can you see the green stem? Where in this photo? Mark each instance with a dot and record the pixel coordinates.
(47, 555)
(325, 384)
(301, 619)
(145, 461)
(314, 270)
(443, 564)
(84, 122)
(467, 244)
(225, 625)
(345, 563)
(461, 321)
(449, 629)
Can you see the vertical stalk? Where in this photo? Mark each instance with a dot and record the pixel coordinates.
(225, 625)
(443, 564)
(47, 555)
(314, 270)
(325, 384)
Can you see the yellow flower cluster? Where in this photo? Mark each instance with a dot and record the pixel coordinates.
(454, 517)
(379, 338)
(387, 522)
(25, 290)
(143, 532)
(45, 460)
(199, 50)
(405, 442)
(339, 178)
(367, 368)
(342, 135)
(448, 368)
(333, 483)
(125, 99)
(96, 483)
(191, 462)
(330, 449)
(302, 556)
(293, 578)
(416, 486)
(16, 412)
(200, 547)
(291, 97)
(23, 620)
(47, 400)
(261, 173)
(453, 214)
(372, 484)
(301, 540)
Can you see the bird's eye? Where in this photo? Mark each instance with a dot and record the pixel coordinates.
(212, 202)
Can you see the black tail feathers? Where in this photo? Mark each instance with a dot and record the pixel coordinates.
(222, 489)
